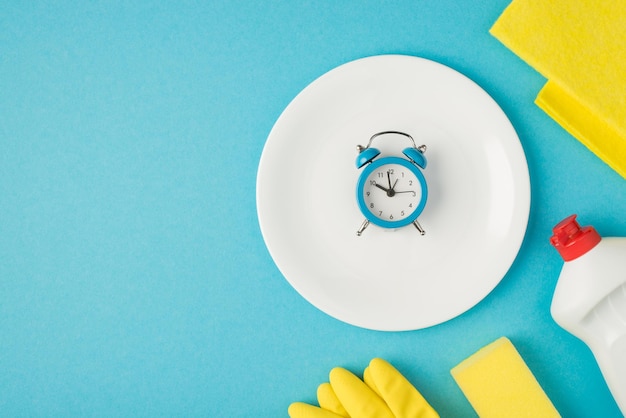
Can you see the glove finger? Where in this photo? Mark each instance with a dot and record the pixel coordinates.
(367, 378)
(403, 399)
(328, 400)
(304, 410)
(357, 398)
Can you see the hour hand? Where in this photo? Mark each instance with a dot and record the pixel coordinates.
(381, 187)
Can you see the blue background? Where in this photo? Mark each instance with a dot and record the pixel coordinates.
(134, 280)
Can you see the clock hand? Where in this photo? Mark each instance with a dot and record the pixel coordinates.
(407, 191)
(394, 184)
(381, 187)
(389, 179)
(390, 192)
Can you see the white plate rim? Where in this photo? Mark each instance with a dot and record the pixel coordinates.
(296, 274)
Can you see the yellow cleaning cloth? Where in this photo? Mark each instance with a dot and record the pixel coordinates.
(579, 46)
(498, 384)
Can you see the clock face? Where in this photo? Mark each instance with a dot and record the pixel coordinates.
(391, 192)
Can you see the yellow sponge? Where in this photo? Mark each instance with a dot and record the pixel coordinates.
(498, 383)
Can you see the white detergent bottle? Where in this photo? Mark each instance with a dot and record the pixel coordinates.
(590, 297)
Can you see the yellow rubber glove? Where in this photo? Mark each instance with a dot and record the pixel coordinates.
(399, 394)
(384, 394)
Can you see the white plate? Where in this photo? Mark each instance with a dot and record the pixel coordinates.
(475, 218)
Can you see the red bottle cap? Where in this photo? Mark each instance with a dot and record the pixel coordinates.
(572, 241)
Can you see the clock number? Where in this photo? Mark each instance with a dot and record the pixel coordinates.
(368, 193)
(410, 182)
(410, 205)
(372, 205)
(391, 216)
(372, 182)
(402, 213)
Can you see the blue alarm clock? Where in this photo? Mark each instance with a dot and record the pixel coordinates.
(391, 191)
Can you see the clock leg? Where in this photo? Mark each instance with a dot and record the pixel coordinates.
(419, 227)
(362, 228)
